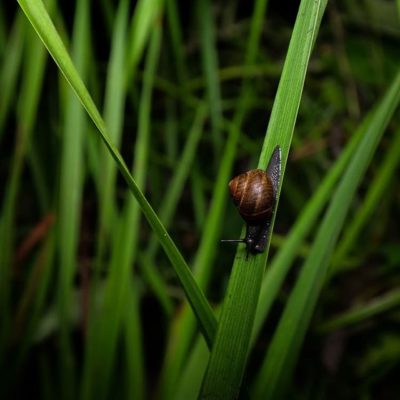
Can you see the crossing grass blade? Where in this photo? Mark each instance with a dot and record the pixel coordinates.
(229, 354)
(285, 346)
(169, 204)
(43, 25)
(114, 105)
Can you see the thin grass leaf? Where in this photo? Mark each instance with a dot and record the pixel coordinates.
(41, 21)
(285, 346)
(134, 375)
(110, 323)
(70, 195)
(283, 260)
(175, 30)
(363, 312)
(373, 197)
(144, 17)
(203, 263)
(210, 67)
(169, 204)
(114, 104)
(26, 114)
(10, 68)
(229, 354)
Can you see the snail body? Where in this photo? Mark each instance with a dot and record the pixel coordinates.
(254, 195)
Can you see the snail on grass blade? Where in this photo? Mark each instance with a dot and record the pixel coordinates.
(254, 194)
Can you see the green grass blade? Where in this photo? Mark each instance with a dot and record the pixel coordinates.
(175, 30)
(360, 313)
(229, 354)
(190, 380)
(373, 197)
(203, 263)
(135, 377)
(182, 170)
(145, 16)
(282, 354)
(170, 202)
(110, 323)
(37, 14)
(282, 262)
(10, 68)
(26, 111)
(114, 103)
(70, 195)
(210, 67)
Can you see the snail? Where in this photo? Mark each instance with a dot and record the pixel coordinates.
(254, 195)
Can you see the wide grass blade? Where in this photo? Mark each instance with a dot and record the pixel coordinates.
(184, 326)
(37, 14)
(283, 260)
(229, 354)
(285, 346)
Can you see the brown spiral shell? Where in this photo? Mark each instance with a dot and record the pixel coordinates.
(253, 194)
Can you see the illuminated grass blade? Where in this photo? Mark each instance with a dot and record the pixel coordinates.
(37, 14)
(229, 354)
(285, 346)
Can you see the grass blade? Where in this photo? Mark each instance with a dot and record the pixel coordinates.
(70, 195)
(26, 110)
(229, 354)
(39, 18)
(362, 312)
(285, 345)
(184, 328)
(375, 193)
(282, 262)
(210, 67)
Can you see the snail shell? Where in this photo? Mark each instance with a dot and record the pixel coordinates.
(253, 194)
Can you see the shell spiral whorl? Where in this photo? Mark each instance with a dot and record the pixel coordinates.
(253, 194)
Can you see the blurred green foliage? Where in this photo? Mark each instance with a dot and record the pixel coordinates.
(90, 305)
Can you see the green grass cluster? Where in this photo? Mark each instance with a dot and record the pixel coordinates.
(121, 124)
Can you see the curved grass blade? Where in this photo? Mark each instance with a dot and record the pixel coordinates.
(37, 14)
